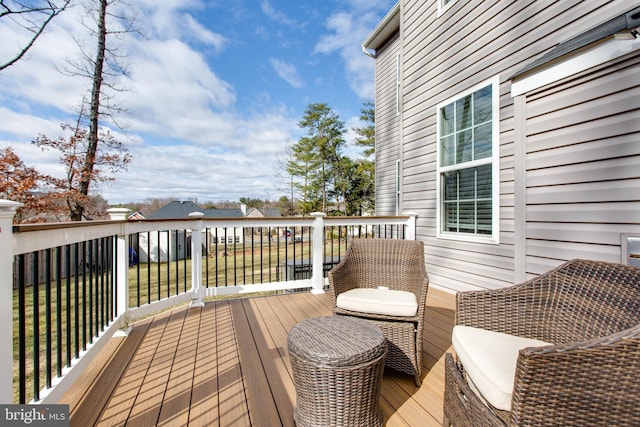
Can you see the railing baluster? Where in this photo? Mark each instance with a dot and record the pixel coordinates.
(261, 257)
(112, 290)
(84, 297)
(177, 260)
(244, 255)
(168, 263)
(76, 307)
(22, 335)
(207, 246)
(48, 344)
(185, 246)
(253, 251)
(235, 270)
(138, 271)
(35, 290)
(58, 311)
(158, 264)
(68, 310)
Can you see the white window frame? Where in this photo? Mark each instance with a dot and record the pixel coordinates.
(442, 7)
(495, 169)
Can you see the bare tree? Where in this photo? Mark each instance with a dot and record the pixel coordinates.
(33, 16)
(105, 63)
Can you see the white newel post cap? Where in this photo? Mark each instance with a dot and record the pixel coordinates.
(8, 208)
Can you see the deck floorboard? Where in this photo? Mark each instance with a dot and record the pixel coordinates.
(227, 363)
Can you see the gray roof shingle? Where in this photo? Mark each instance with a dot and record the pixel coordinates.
(179, 209)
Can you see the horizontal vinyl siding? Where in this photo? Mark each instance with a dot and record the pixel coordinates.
(387, 128)
(583, 166)
(443, 56)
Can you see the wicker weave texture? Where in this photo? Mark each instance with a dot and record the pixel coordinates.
(590, 310)
(337, 365)
(398, 265)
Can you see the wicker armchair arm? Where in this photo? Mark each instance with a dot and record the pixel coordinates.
(341, 279)
(584, 383)
(507, 310)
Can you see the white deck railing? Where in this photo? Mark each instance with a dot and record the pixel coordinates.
(33, 238)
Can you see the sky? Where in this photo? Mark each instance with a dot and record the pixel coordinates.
(213, 90)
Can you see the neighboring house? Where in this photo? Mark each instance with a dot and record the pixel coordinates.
(513, 129)
(265, 213)
(135, 215)
(163, 247)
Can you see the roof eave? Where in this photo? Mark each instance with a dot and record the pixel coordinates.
(626, 22)
(381, 33)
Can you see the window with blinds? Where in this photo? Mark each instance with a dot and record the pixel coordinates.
(467, 133)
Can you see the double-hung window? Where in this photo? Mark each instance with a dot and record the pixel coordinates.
(468, 168)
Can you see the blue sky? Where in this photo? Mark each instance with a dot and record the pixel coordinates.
(215, 90)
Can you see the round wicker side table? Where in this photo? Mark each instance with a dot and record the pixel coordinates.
(337, 364)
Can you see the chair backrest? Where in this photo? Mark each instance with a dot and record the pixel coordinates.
(397, 264)
(582, 300)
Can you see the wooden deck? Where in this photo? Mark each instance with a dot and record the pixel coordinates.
(227, 364)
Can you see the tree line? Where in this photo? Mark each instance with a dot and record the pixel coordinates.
(324, 179)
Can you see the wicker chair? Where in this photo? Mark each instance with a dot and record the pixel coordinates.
(590, 311)
(387, 265)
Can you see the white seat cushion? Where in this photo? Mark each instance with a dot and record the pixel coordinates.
(490, 358)
(379, 301)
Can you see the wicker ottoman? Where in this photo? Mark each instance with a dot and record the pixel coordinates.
(337, 364)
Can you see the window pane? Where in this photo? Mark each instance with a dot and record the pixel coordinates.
(484, 182)
(464, 150)
(482, 141)
(446, 120)
(451, 216)
(484, 217)
(450, 183)
(447, 148)
(467, 184)
(467, 216)
(482, 105)
(463, 113)
(468, 200)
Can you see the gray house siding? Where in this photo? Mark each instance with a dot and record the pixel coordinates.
(387, 128)
(474, 41)
(583, 165)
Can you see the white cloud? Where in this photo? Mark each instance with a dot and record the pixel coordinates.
(287, 72)
(276, 15)
(200, 33)
(347, 30)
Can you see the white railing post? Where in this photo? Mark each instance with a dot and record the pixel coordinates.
(197, 299)
(121, 264)
(411, 225)
(7, 212)
(317, 273)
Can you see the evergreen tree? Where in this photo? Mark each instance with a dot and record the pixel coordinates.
(316, 156)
